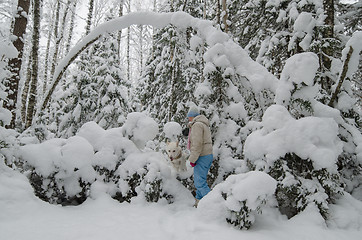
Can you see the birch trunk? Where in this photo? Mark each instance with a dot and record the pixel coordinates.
(71, 27)
(120, 14)
(46, 67)
(56, 37)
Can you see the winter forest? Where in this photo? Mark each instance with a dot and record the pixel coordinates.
(91, 91)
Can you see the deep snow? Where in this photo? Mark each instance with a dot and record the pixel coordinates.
(23, 216)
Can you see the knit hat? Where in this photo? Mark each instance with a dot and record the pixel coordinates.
(193, 112)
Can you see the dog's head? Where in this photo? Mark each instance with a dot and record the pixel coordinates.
(173, 150)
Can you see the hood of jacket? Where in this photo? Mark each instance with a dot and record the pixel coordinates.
(202, 119)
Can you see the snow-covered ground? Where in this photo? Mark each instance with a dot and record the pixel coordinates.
(23, 216)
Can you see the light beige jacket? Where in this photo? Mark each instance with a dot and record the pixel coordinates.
(200, 138)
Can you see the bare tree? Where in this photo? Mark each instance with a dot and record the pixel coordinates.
(327, 48)
(34, 73)
(90, 16)
(120, 14)
(46, 66)
(224, 16)
(56, 36)
(18, 32)
(71, 26)
(128, 55)
(25, 93)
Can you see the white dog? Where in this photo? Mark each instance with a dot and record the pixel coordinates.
(176, 156)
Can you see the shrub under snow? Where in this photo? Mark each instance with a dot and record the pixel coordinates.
(239, 198)
(64, 170)
(147, 177)
(301, 155)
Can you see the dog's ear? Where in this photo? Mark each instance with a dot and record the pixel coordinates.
(177, 143)
(168, 142)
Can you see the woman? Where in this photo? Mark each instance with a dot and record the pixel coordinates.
(200, 145)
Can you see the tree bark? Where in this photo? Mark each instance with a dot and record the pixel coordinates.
(25, 93)
(342, 77)
(120, 14)
(34, 73)
(128, 55)
(56, 36)
(46, 67)
(327, 49)
(218, 13)
(141, 49)
(12, 85)
(90, 16)
(71, 27)
(225, 16)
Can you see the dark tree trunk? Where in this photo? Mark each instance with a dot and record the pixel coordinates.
(15, 63)
(327, 48)
(90, 16)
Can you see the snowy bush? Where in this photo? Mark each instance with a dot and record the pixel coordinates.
(8, 142)
(139, 128)
(63, 170)
(301, 155)
(60, 170)
(68, 171)
(296, 89)
(147, 177)
(239, 198)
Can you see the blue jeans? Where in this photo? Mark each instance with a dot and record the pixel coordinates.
(201, 169)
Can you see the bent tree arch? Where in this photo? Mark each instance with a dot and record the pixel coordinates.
(216, 40)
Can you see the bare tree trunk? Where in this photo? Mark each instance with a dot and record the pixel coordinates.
(59, 35)
(71, 27)
(153, 30)
(12, 86)
(342, 77)
(34, 73)
(327, 49)
(172, 94)
(24, 96)
(128, 56)
(141, 49)
(225, 16)
(46, 67)
(184, 7)
(56, 36)
(120, 14)
(218, 13)
(90, 16)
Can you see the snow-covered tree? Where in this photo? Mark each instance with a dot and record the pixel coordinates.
(94, 91)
